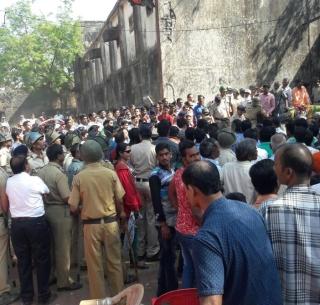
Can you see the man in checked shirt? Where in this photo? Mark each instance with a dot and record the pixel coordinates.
(293, 224)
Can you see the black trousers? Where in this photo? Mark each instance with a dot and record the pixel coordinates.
(31, 243)
(167, 276)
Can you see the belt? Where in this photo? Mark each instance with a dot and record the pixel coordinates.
(19, 219)
(223, 119)
(103, 220)
(142, 180)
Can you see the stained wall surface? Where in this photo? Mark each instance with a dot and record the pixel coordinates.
(195, 46)
(122, 65)
(208, 43)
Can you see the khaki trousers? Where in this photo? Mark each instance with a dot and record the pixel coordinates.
(77, 252)
(60, 223)
(147, 235)
(97, 236)
(4, 242)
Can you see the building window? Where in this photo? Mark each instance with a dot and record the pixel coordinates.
(131, 23)
(149, 10)
(149, 7)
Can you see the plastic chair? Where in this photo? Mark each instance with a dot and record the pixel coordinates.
(133, 295)
(178, 297)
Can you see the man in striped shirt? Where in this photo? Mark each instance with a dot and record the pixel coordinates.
(293, 224)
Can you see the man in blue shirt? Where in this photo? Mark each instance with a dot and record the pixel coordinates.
(233, 257)
(197, 110)
(76, 165)
(166, 216)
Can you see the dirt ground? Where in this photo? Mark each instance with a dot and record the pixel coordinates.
(146, 277)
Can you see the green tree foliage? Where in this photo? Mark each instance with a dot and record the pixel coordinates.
(36, 52)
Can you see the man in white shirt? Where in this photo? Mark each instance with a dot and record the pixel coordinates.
(316, 92)
(247, 98)
(30, 231)
(239, 114)
(237, 100)
(83, 122)
(286, 92)
(220, 108)
(235, 176)
(226, 139)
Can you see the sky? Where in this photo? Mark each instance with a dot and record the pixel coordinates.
(84, 9)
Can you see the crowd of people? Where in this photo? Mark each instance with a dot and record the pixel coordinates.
(232, 184)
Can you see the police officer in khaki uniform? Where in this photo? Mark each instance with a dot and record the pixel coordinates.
(37, 158)
(58, 215)
(6, 297)
(101, 194)
(53, 137)
(253, 108)
(5, 155)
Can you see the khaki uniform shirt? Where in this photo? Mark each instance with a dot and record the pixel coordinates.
(107, 164)
(221, 110)
(3, 181)
(235, 103)
(252, 111)
(5, 158)
(143, 159)
(36, 162)
(54, 177)
(98, 188)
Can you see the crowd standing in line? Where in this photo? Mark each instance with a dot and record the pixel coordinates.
(233, 183)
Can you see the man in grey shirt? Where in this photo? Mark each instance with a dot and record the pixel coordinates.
(143, 161)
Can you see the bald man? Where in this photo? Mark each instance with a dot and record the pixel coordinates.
(293, 224)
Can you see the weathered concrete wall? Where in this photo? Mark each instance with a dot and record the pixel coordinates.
(122, 65)
(195, 46)
(10, 101)
(17, 102)
(90, 30)
(207, 43)
(42, 100)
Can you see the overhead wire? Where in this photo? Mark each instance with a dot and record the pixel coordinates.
(210, 28)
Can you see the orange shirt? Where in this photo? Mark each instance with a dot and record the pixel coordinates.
(300, 97)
